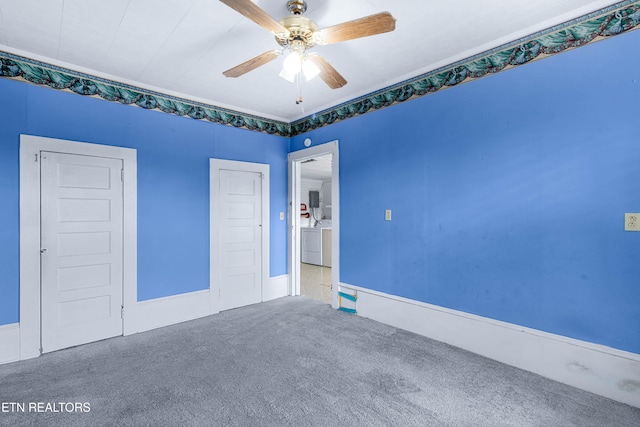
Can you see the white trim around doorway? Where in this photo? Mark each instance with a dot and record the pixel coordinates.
(295, 160)
(30, 148)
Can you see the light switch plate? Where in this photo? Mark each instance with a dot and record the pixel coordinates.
(632, 222)
(281, 216)
(387, 215)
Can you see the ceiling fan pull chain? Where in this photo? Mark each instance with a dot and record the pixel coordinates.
(299, 87)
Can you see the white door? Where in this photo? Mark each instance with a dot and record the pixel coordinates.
(82, 249)
(240, 216)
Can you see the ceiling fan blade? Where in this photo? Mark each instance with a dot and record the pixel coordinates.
(252, 11)
(252, 64)
(371, 25)
(328, 74)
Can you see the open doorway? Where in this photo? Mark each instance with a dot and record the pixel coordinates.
(314, 222)
(315, 227)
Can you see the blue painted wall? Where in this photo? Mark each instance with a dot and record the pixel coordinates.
(508, 195)
(173, 182)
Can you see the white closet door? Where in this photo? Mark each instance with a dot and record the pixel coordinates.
(82, 249)
(240, 238)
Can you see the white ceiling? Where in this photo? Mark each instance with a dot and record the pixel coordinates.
(181, 47)
(317, 168)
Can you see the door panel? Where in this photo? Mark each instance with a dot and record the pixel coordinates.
(240, 238)
(82, 260)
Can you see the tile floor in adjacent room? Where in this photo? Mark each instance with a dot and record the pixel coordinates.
(315, 282)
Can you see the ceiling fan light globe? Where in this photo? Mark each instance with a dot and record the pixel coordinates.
(309, 69)
(288, 76)
(292, 63)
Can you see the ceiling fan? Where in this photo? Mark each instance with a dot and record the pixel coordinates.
(298, 34)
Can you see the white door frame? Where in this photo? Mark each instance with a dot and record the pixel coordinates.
(30, 148)
(215, 165)
(295, 161)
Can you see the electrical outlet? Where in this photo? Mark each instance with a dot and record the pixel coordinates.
(632, 222)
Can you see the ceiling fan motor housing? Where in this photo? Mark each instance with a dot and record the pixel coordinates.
(301, 31)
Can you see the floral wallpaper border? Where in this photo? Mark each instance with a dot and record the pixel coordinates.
(40, 73)
(613, 20)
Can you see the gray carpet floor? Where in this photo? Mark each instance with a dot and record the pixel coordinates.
(291, 362)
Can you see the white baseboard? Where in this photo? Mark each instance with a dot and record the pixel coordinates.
(277, 287)
(147, 315)
(9, 343)
(160, 312)
(602, 370)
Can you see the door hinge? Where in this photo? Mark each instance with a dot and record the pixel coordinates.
(122, 175)
(36, 157)
(122, 311)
